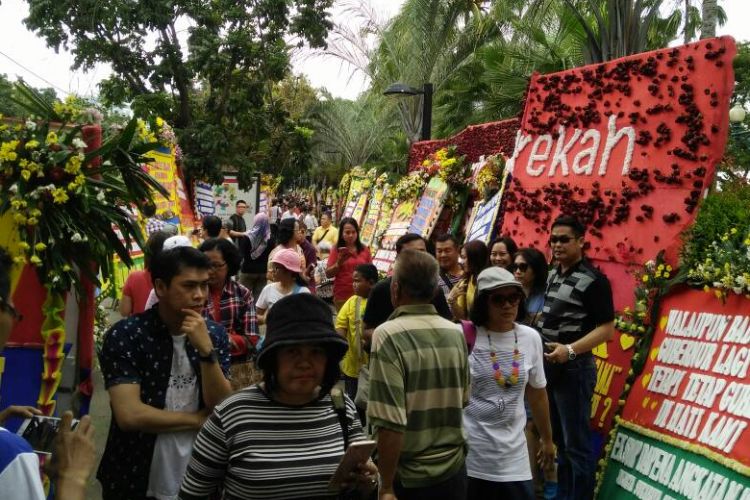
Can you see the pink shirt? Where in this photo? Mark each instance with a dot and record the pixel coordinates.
(342, 285)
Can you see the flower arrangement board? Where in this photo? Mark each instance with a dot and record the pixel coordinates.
(690, 404)
(356, 201)
(399, 226)
(429, 207)
(374, 211)
(228, 193)
(629, 146)
(205, 204)
(642, 465)
(484, 215)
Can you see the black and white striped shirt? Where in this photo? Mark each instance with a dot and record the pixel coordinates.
(260, 449)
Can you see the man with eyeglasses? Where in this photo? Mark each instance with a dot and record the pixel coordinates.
(578, 315)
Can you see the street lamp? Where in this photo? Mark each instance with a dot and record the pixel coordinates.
(401, 89)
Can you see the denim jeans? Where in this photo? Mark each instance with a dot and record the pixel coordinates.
(570, 387)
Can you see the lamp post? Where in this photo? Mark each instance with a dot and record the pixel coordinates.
(737, 114)
(401, 89)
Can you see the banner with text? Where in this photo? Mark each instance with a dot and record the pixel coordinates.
(429, 207)
(399, 226)
(695, 385)
(374, 212)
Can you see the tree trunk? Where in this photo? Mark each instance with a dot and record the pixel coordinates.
(708, 19)
(686, 39)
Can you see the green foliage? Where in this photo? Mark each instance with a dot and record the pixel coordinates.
(718, 214)
(8, 107)
(217, 89)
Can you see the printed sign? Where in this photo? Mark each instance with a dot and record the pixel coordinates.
(204, 199)
(370, 224)
(429, 208)
(645, 467)
(399, 226)
(483, 220)
(227, 194)
(695, 386)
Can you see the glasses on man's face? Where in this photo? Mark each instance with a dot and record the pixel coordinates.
(9, 309)
(500, 299)
(521, 267)
(216, 265)
(560, 239)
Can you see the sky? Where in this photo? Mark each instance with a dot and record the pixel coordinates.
(23, 54)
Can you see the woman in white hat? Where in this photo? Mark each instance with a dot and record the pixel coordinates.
(506, 363)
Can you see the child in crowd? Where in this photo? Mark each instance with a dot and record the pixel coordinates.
(349, 325)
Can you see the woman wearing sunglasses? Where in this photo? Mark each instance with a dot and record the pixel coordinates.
(530, 269)
(506, 363)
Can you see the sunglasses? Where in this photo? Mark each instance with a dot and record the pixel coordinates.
(560, 239)
(522, 267)
(9, 309)
(501, 300)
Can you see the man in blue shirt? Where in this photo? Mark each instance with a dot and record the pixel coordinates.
(164, 369)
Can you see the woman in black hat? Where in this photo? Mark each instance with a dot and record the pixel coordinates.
(282, 438)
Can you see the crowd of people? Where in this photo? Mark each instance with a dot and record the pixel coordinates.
(246, 367)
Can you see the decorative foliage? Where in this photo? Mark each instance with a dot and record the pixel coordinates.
(409, 187)
(64, 206)
(450, 167)
(726, 264)
(490, 173)
(654, 280)
(346, 181)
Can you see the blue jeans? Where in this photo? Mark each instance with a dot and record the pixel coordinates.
(570, 387)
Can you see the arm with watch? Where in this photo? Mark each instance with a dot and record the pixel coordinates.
(562, 353)
(213, 356)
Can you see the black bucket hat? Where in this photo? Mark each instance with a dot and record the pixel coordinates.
(301, 318)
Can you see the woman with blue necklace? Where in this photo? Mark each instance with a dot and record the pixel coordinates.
(506, 364)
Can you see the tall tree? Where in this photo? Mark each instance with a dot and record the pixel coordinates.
(709, 18)
(215, 84)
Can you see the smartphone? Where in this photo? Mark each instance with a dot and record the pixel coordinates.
(356, 454)
(343, 250)
(40, 432)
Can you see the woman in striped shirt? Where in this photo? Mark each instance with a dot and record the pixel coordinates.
(283, 438)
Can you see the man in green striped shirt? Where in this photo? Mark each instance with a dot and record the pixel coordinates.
(419, 384)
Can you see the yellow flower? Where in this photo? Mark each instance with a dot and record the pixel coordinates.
(59, 195)
(18, 259)
(666, 275)
(657, 274)
(733, 230)
(66, 268)
(669, 268)
(40, 247)
(73, 165)
(20, 219)
(25, 174)
(23, 245)
(645, 278)
(426, 163)
(35, 212)
(17, 203)
(32, 221)
(8, 151)
(159, 121)
(51, 138)
(32, 144)
(35, 260)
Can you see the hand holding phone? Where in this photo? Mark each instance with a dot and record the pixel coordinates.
(357, 454)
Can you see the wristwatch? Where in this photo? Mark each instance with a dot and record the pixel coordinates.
(571, 353)
(212, 357)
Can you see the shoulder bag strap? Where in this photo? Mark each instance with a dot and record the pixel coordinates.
(339, 406)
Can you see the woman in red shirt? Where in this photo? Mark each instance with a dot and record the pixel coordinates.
(344, 258)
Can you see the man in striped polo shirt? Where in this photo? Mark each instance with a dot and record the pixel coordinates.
(419, 384)
(578, 315)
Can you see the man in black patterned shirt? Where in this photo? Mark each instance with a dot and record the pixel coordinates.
(578, 315)
(164, 369)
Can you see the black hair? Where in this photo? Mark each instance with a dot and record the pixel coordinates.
(154, 245)
(352, 222)
(510, 245)
(148, 209)
(479, 314)
(285, 234)
(240, 201)
(579, 230)
(447, 237)
(212, 225)
(5, 264)
(477, 257)
(229, 252)
(368, 272)
(405, 239)
(538, 264)
(170, 263)
(331, 375)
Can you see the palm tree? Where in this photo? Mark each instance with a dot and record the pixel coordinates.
(709, 18)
